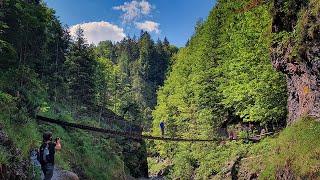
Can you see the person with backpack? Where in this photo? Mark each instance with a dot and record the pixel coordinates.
(46, 155)
(162, 128)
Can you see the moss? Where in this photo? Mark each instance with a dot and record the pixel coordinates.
(304, 30)
(315, 7)
(296, 148)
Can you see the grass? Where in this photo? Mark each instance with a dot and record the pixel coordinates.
(92, 154)
(4, 156)
(297, 149)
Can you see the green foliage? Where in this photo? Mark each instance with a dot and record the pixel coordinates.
(7, 54)
(134, 69)
(42, 68)
(225, 71)
(6, 101)
(17, 125)
(81, 65)
(295, 151)
(214, 158)
(249, 83)
(105, 85)
(4, 156)
(23, 82)
(95, 155)
(296, 147)
(296, 26)
(156, 165)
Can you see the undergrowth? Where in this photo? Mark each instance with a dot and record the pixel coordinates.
(92, 154)
(297, 149)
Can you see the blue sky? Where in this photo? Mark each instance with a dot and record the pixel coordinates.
(115, 19)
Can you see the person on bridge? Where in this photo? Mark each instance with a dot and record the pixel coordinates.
(162, 128)
(46, 155)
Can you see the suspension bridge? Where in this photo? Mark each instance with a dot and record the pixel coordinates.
(128, 135)
(132, 135)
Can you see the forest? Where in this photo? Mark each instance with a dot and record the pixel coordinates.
(247, 80)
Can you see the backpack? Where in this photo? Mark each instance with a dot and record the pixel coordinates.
(34, 157)
(44, 154)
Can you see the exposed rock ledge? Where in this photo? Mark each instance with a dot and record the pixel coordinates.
(299, 59)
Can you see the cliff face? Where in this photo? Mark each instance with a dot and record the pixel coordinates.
(296, 52)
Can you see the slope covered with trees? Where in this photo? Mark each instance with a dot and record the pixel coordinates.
(223, 82)
(44, 70)
(227, 57)
(140, 66)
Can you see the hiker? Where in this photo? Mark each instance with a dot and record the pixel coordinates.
(231, 132)
(162, 128)
(46, 156)
(231, 135)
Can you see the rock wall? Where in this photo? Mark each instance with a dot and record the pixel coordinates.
(296, 52)
(18, 167)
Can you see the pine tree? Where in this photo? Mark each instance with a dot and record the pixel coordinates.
(81, 65)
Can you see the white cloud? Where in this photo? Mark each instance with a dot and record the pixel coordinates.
(95, 32)
(145, 7)
(149, 26)
(134, 10)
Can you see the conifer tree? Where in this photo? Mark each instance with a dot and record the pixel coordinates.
(80, 66)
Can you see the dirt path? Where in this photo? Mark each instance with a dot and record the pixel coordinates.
(59, 174)
(152, 178)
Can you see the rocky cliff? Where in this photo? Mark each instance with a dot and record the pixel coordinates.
(296, 52)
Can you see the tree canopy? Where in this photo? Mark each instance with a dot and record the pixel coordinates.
(223, 74)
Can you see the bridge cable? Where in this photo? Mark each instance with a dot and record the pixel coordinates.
(128, 135)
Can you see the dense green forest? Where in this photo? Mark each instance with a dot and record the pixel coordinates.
(45, 70)
(230, 77)
(233, 87)
(251, 68)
